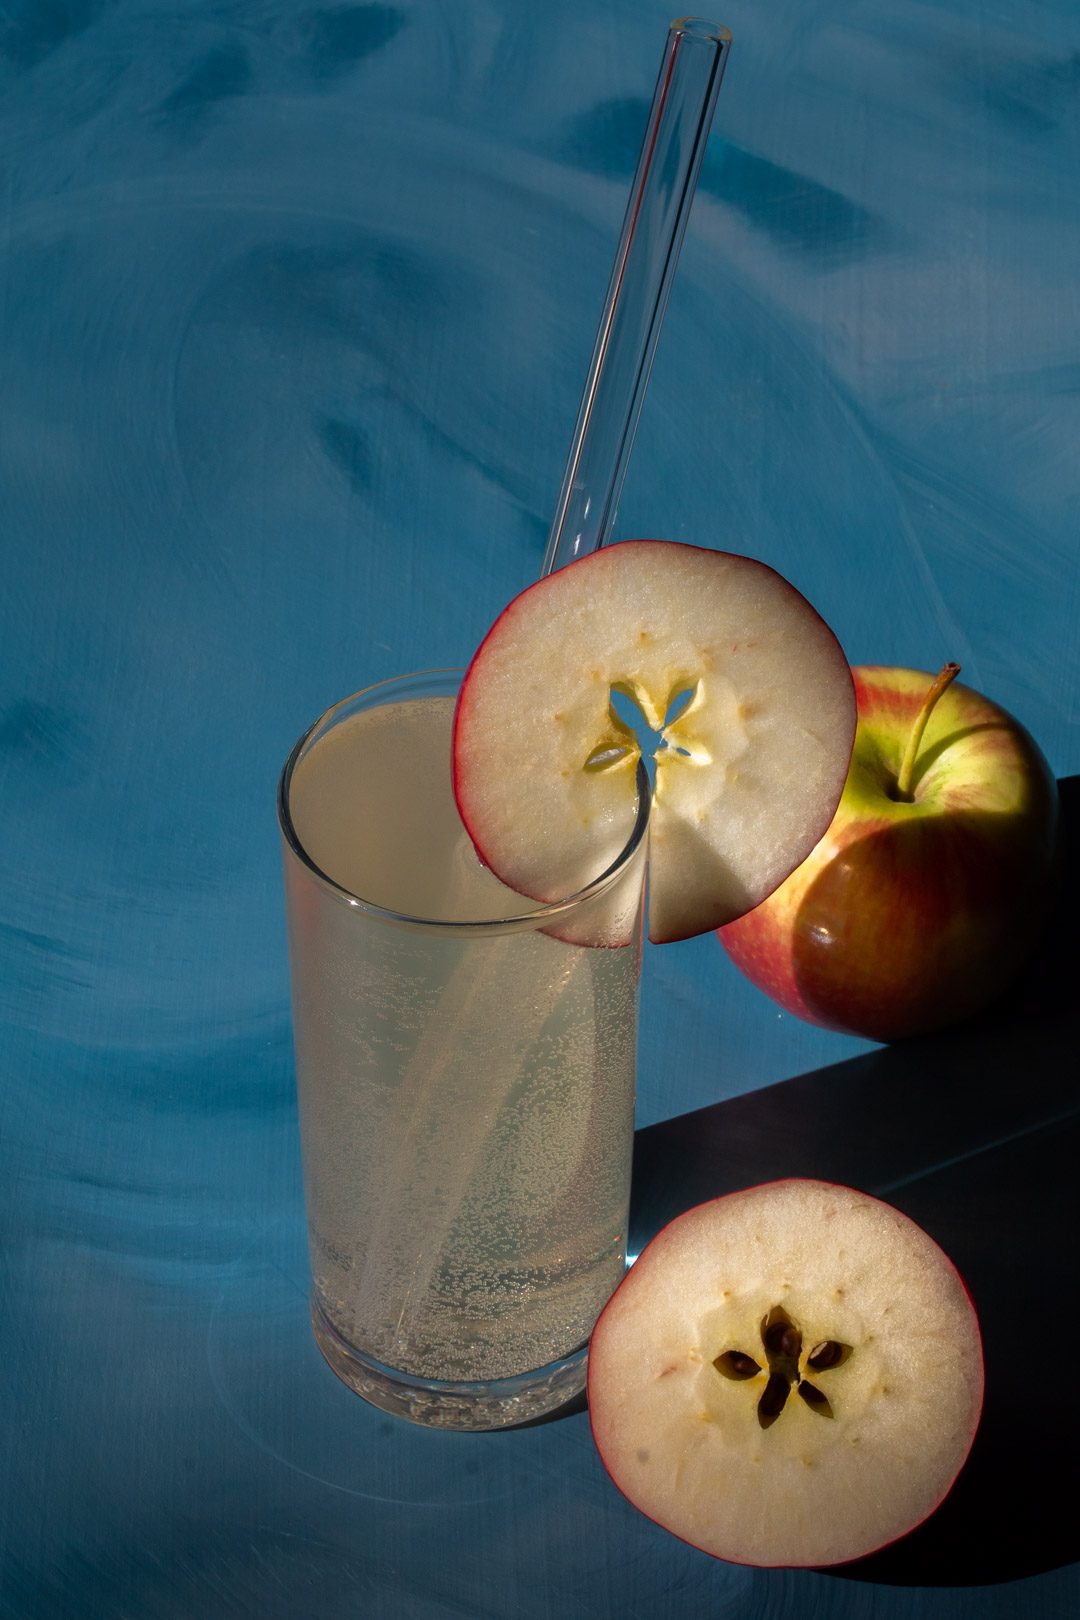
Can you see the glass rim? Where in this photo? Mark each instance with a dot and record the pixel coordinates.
(541, 913)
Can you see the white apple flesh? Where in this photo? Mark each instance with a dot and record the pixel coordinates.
(790, 1375)
(748, 773)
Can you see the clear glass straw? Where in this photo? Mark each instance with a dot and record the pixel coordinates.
(695, 56)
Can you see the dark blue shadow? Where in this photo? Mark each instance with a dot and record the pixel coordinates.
(974, 1133)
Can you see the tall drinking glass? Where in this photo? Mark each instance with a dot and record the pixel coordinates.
(465, 1065)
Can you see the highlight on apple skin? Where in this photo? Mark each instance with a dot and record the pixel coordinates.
(790, 1375)
(924, 898)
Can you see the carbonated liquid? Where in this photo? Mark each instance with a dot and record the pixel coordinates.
(466, 1099)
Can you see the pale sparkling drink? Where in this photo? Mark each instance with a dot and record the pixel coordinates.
(465, 1066)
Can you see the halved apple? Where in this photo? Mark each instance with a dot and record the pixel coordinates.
(789, 1375)
(745, 684)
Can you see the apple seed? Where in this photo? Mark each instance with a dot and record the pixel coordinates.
(829, 1353)
(783, 1342)
(734, 1364)
(815, 1400)
(773, 1400)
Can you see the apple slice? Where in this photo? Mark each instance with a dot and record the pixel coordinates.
(748, 772)
(790, 1375)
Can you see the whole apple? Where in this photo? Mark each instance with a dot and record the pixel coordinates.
(927, 891)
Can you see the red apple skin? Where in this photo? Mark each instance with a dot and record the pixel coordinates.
(910, 916)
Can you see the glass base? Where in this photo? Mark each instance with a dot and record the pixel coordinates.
(494, 1403)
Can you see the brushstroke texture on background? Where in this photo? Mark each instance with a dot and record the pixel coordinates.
(296, 304)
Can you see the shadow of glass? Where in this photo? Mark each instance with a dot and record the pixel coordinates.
(975, 1133)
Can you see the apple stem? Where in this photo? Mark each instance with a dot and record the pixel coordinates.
(942, 680)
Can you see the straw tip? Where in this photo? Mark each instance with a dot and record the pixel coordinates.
(697, 28)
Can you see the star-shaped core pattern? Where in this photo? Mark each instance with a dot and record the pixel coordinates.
(782, 1344)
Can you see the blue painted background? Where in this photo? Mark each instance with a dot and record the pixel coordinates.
(296, 304)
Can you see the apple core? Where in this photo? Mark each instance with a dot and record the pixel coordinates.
(788, 1367)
